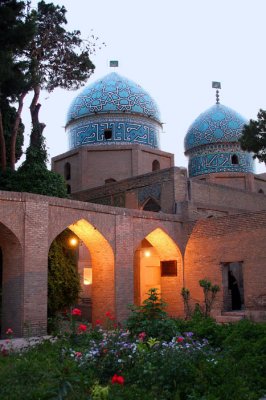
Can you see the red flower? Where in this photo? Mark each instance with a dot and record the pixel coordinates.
(142, 336)
(76, 311)
(82, 328)
(78, 354)
(118, 379)
(179, 339)
(108, 314)
(9, 332)
(98, 322)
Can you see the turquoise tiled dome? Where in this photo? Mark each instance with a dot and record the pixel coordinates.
(117, 104)
(113, 93)
(212, 145)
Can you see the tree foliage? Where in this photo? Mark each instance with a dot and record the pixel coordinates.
(37, 52)
(33, 176)
(63, 278)
(254, 137)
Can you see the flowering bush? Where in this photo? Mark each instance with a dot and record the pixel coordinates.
(76, 311)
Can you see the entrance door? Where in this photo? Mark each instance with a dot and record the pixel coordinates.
(150, 272)
(233, 286)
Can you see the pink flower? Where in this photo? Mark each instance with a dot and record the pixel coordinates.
(142, 336)
(82, 328)
(179, 339)
(9, 332)
(76, 311)
(78, 354)
(118, 379)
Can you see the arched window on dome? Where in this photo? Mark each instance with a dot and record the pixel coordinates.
(261, 191)
(67, 171)
(151, 205)
(155, 165)
(108, 134)
(234, 159)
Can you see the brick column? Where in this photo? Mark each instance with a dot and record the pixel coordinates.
(124, 266)
(36, 268)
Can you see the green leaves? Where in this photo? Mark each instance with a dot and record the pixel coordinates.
(254, 137)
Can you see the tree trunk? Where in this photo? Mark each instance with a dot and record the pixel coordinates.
(15, 132)
(37, 127)
(2, 145)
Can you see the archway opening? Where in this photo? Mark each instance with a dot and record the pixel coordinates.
(155, 165)
(151, 205)
(235, 160)
(158, 264)
(95, 265)
(11, 283)
(67, 171)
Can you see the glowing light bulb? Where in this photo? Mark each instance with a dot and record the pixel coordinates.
(147, 253)
(73, 241)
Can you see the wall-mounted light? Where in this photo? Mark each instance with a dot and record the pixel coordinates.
(73, 241)
(147, 253)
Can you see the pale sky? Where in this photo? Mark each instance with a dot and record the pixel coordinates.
(174, 49)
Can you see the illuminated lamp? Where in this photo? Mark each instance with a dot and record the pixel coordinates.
(73, 241)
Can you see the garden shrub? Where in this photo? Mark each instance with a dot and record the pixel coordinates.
(151, 318)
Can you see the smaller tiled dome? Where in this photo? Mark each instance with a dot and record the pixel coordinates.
(212, 143)
(217, 124)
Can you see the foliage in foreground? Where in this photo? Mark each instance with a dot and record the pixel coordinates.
(63, 277)
(212, 362)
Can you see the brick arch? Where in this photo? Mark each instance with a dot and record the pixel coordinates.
(12, 281)
(166, 249)
(102, 258)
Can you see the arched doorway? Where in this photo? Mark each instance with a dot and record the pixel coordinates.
(158, 264)
(12, 281)
(96, 264)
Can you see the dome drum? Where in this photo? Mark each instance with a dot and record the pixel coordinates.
(212, 143)
(120, 129)
(220, 162)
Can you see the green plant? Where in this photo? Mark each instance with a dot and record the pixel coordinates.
(151, 318)
(210, 291)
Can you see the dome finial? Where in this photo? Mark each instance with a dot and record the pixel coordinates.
(217, 85)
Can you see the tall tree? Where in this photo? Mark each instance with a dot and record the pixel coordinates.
(49, 58)
(57, 58)
(16, 30)
(253, 138)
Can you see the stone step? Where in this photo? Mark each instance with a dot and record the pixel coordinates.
(227, 319)
(234, 313)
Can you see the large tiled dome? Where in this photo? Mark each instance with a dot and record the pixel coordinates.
(116, 105)
(212, 143)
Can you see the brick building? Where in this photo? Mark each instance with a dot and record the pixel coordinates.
(141, 221)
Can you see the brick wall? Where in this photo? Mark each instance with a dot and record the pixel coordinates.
(238, 238)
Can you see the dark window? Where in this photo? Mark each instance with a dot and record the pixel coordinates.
(235, 159)
(68, 189)
(155, 165)
(108, 134)
(261, 191)
(67, 171)
(152, 205)
(169, 268)
(110, 180)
